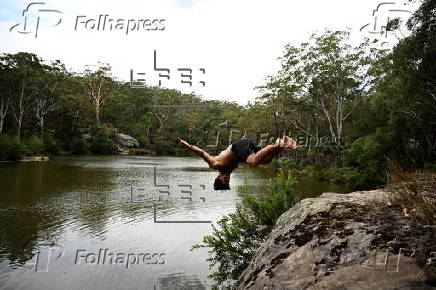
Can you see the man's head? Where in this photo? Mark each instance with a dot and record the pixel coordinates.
(223, 180)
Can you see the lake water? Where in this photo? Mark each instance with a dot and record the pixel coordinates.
(114, 222)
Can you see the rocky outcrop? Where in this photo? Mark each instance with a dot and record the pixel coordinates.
(344, 241)
(126, 141)
(34, 158)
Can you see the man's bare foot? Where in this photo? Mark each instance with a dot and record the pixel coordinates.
(280, 142)
(290, 143)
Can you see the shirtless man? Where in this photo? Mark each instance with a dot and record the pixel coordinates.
(243, 150)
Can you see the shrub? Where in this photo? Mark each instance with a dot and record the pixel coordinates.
(278, 196)
(287, 165)
(275, 163)
(51, 144)
(163, 147)
(315, 172)
(79, 146)
(102, 145)
(371, 152)
(234, 243)
(11, 148)
(35, 145)
(430, 167)
(143, 140)
(5, 147)
(101, 142)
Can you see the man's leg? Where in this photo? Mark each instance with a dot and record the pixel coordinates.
(265, 155)
(268, 153)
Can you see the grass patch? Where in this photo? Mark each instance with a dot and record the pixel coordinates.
(415, 192)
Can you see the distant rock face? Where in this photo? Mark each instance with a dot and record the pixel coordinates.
(34, 158)
(344, 241)
(87, 137)
(126, 141)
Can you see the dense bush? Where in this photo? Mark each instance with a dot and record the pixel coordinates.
(371, 152)
(278, 196)
(11, 148)
(79, 146)
(51, 144)
(163, 147)
(354, 178)
(35, 145)
(234, 243)
(102, 145)
(101, 142)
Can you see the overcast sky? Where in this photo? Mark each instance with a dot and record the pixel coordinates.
(237, 42)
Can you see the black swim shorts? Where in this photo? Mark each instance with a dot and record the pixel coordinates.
(244, 148)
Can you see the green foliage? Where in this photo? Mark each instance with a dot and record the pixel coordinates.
(35, 145)
(354, 178)
(11, 148)
(430, 167)
(161, 147)
(51, 144)
(361, 179)
(143, 140)
(285, 164)
(278, 196)
(234, 242)
(101, 143)
(80, 146)
(371, 153)
(5, 147)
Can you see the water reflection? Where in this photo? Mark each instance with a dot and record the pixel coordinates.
(85, 203)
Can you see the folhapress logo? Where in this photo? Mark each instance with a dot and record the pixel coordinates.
(107, 23)
(44, 255)
(32, 17)
(37, 15)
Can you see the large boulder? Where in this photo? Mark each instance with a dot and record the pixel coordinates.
(344, 241)
(126, 141)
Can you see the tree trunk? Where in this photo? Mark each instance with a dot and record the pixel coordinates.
(97, 114)
(41, 125)
(19, 126)
(3, 110)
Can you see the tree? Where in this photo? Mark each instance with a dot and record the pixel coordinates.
(98, 85)
(46, 95)
(23, 69)
(5, 96)
(328, 77)
(408, 90)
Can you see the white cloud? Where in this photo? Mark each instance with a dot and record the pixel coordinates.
(237, 42)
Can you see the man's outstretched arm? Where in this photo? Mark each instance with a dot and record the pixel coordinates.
(203, 154)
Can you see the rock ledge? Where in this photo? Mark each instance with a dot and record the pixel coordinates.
(344, 241)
